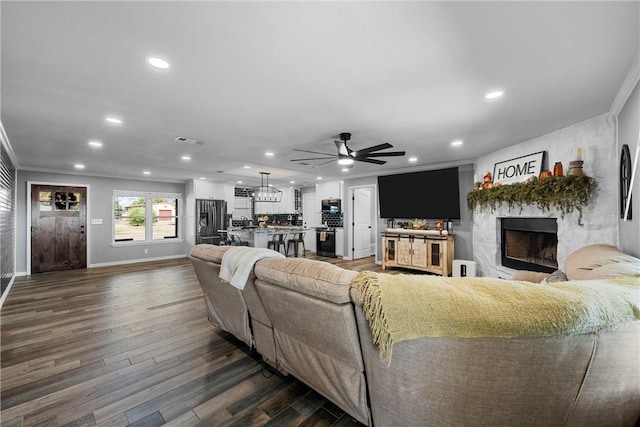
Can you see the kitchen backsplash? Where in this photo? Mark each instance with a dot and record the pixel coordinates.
(281, 219)
(332, 219)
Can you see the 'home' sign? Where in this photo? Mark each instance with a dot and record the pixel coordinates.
(518, 169)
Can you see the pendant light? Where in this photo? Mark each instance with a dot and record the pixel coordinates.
(266, 193)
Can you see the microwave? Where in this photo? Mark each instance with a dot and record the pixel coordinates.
(332, 205)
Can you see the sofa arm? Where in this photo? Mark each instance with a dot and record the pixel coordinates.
(530, 276)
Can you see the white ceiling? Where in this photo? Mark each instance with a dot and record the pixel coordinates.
(248, 77)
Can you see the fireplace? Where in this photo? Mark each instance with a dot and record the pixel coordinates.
(530, 243)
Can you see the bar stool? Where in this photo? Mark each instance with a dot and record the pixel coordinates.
(235, 240)
(296, 240)
(276, 242)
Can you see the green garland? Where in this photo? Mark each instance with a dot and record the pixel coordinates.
(565, 193)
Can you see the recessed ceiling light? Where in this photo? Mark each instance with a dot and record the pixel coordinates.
(494, 94)
(345, 169)
(114, 120)
(202, 177)
(186, 158)
(239, 182)
(345, 161)
(158, 63)
(319, 178)
(413, 159)
(146, 172)
(78, 166)
(456, 143)
(96, 144)
(247, 167)
(292, 182)
(268, 153)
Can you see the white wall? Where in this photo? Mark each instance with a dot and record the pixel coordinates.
(628, 129)
(596, 137)
(99, 249)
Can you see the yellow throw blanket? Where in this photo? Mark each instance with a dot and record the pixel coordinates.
(402, 307)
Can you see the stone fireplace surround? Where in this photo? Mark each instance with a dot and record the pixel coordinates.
(596, 137)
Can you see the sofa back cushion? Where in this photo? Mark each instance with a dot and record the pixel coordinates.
(208, 252)
(314, 278)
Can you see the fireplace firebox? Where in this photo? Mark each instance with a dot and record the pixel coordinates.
(530, 244)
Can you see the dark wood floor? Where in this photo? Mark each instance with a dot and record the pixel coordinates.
(131, 345)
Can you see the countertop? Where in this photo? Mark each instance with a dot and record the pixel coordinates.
(269, 229)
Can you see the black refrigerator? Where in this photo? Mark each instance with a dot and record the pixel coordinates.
(211, 217)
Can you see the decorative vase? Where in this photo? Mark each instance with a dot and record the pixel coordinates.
(557, 169)
(575, 168)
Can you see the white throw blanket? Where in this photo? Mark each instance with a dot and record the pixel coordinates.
(238, 261)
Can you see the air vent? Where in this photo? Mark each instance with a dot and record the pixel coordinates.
(188, 140)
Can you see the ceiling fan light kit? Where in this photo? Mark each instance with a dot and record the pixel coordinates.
(265, 193)
(347, 156)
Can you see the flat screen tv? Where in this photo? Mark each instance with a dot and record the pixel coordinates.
(433, 194)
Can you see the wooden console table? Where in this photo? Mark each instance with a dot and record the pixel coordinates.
(417, 249)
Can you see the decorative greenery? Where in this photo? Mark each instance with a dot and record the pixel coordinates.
(565, 193)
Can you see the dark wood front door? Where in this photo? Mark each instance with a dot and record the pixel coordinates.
(58, 228)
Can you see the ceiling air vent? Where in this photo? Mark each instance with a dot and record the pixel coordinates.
(188, 140)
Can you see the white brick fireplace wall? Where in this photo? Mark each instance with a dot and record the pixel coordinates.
(596, 137)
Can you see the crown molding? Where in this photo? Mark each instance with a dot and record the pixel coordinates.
(627, 87)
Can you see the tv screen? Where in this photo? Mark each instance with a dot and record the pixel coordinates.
(433, 194)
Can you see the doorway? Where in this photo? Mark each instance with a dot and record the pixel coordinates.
(58, 228)
(363, 240)
(311, 219)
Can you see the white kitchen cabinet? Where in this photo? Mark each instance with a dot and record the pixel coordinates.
(339, 242)
(268, 208)
(329, 190)
(209, 190)
(242, 208)
(288, 201)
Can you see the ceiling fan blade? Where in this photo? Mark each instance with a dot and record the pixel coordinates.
(367, 160)
(365, 151)
(329, 161)
(387, 154)
(314, 152)
(343, 150)
(314, 158)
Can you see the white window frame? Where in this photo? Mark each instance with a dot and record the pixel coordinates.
(148, 233)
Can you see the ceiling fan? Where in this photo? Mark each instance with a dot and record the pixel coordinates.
(346, 156)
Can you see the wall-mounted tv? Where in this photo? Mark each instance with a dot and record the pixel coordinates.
(433, 194)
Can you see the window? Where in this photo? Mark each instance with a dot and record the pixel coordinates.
(145, 217)
(59, 201)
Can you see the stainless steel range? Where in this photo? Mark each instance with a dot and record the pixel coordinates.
(326, 241)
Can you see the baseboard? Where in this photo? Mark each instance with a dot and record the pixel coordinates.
(135, 261)
(6, 291)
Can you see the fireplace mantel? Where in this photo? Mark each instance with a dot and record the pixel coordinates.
(566, 194)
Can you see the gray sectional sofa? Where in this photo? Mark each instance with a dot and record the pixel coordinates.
(310, 319)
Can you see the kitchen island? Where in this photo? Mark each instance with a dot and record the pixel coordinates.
(259, 236)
